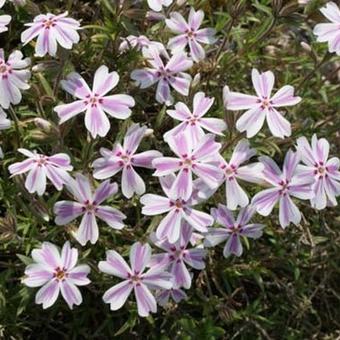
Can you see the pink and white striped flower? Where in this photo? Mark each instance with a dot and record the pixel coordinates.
(178, 211)
(177, 294)
(89, 206)
(139, 43)
(284, 184)
(4, 19)
(13, 77)
(157, 5)
(178, 256)
(190, 34)
(330, 32)
(232, 229)
(198, 160)
(40, 167)
(56, 272)
(51, 30)
(5, 123)
(166, 75)
(325, 171)
(262, 106)
(124, 158)
(193, 122)
(135, 278)
(95, 103)
(234, 171)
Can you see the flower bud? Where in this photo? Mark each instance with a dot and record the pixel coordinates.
(154, 16)
(42, 124)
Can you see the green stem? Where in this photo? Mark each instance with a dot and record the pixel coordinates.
(16, 124)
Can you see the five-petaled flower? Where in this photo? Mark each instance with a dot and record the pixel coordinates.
(262, 106)
(135, 278)
(125, 158)
(89, 205)
(234, 170)
(56, 272)
(190, 34)
(157, 5)
(232, 229)
(193, 122)
(177, 256)
(50, 30)
(284, 185)
(169, 74)
(198, 160)
(178, 210)
(4, 19)
(330, 31)
(13, 77)
(325, 171)
(139, 43)
(40, 166)
(95, 102)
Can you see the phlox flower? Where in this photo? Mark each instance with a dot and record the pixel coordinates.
(178, 256)
(94, 102)
(262, 106)
(166, 74)
(124, 158)
(89, 206)
(284, 184)
(157, 5)
(4, 19)
(330, 32)
(234, 171)
(139, 43)
(232, 229)
(177, 294)
(51, 30)
(178, 210)
(13, 77)
(40, 167)
(325, 171)
(190, 160)
(135, 278)
(194, 122)
(56, 272)
(5, 123)
(190, 34)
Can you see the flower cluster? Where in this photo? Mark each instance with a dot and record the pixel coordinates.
(196, 167)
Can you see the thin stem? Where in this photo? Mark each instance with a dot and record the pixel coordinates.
(16, 124)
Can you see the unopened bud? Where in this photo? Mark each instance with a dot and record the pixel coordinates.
(148, 132)
(42, 124)
(154, 16)
(226, 92)
(196, 80)
(306, 47)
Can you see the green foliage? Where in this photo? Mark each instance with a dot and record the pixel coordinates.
(286, 286)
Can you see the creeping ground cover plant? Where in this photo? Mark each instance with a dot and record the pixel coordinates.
(169, 169)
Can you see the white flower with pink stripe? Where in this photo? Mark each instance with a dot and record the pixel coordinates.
(51, 30)
(325, 171)
(263, 106)
(89, 206)
(136, 278)
(56, 272)
(190, 34)
(194, 123)
(95, 103)
(14, 77)
(40, 167)
(4, 19)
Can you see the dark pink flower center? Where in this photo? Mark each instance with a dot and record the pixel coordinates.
(177, 253)
(187, 162)
(90, 207)
(284, 187)
(136, 278)
(41, 160)
(191, 34)
(93, 100)
(60, 274)
(178, 204)
(321, 170)
(48, 23)
(265, 103)
(5, 69)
